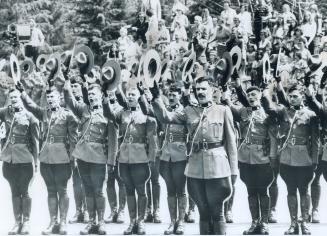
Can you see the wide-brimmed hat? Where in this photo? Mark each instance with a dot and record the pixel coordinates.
(151, 67)
(84, 57)
(111, 73)
(14, 68)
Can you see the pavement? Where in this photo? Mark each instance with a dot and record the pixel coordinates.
(40, 215)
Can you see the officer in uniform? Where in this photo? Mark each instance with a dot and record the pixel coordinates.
(138, 147)
(93, 151)
(59, 135)
(255, 155)
(19, 152)
(299, 151)
(116, 215)
(81, 214)
(173, 160)
(212, 154)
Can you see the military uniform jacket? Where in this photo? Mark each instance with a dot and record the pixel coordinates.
(299, 130)
(59, 132)
(22, 132)
(137, 135)
(321, 112)
(216, 126)
(97, 141)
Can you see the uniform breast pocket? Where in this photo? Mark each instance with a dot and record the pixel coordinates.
(216, 129)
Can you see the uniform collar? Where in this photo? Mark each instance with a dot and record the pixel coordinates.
(96, 107)
(175, 106)
(207, 104)
(78, 98)
(54, 109)
(297, 107)
(255, 108)
(17, 109)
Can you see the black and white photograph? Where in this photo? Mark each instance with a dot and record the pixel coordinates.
(163, 117)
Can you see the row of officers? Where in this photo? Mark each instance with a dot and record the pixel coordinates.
(202, 147)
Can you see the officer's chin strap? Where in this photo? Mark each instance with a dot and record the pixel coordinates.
(195, 133)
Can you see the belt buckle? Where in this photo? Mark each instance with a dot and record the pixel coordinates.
(247, 140)
(51, 139)
(293, 141)
(171, 137)
(12, 140)
(205, 146)
(87, 138)
(130, 139)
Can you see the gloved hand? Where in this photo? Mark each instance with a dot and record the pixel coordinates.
(19, 87)
(140, 87)
(155, 90)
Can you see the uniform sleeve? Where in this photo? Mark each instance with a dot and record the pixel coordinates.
(272, 133)
(113, 135)
(230, 141)
(109, 113)
(32, 107)
(314, 139)
(77, 108)
(72, 131)
(3, 112)
(146, 108)
(151, 133)
(35, 137)
(164, 116)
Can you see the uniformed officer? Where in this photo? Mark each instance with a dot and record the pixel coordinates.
(299, 152)
(212, 154)
(254, 155)
(59, 135)
(173, 161)
(138, 147)
(81, 214)
(19, 152)
(117, 214)
(93, 151)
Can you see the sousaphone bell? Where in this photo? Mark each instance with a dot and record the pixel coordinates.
(41, 60)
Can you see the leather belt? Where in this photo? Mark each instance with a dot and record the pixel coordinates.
(18, 140)
(89, 139)
(132, 139)
(255, 140)
(297, 141)
(198, 146)
(56, 139)
(175, 138)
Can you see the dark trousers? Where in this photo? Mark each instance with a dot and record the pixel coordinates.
(111, 190)
(173, 174)
(153, 186)
(79, 191)
(297, 178)
(19, 177)
(257, 178)
(56, 177)
(93, 176)
(209, 196)
(135, 177)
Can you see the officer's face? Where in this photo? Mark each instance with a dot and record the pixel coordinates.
(95, 96)
(254, 98)
(174, 98)
(53, 99)
(132, 97)
(295, 98)
(15, 99)
(203, 92)
(77, 90)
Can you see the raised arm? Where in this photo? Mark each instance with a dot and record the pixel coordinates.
(269, 106)
(241, 95)
(282, 98)
(165, 116)
(31, 106)
(77, 108)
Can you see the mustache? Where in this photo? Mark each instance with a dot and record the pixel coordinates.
(201, 95)
(171, 100)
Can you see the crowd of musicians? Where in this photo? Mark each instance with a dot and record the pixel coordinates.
(233, 95)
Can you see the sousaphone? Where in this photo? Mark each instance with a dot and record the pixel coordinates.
(14, 69)
(111, 74)
(27, 67)
(151, 67)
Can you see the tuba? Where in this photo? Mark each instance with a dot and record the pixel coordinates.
(41, 60)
